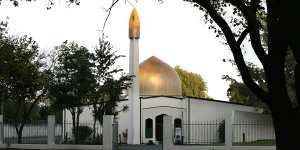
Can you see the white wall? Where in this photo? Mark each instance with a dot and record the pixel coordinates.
(200, 110)
(153, 107)
(123, 120)
(203, 110)
(205, 119)
(254, 126)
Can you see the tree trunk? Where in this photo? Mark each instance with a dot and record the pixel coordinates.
(73, 113)
(286, 119)
(19, 137)
(94, 124)
(19, 133)
(77, 125)
(287, 130)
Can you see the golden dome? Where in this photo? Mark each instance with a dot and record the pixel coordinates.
(158, 78)
(134, 25)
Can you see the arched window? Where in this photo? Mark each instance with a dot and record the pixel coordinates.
(177, 123)
(149, 128)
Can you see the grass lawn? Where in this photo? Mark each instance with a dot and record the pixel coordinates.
(268, 142)
(212, 144)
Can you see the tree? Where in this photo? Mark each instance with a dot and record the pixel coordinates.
(192, 84)
(73, 84)
(238, 92)
(283, 32)
(23, 78)
(108, 90)
(111, 92)
(10, 111)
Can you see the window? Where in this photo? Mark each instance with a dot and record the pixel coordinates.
(177, 123)
(149, 128)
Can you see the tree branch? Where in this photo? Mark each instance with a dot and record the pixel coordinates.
(36, 100)
(253, 25)
(236, 50)
(243, 36)
(114, 2)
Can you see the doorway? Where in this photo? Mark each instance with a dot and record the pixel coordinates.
(159, 127)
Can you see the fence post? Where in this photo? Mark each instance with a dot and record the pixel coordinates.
(167, 132)
(229, 131)
(1, 130)
(107, 132)
(51, 130)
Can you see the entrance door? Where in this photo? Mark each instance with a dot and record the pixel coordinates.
(159, 127)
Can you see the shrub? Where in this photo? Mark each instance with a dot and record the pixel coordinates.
(150, 142)
(83, 133)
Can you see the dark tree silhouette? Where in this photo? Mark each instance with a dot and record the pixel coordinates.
(282, 33)
(23, 79)
(73, 83)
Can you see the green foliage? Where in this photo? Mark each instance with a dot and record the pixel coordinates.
(23, 78)
(83, 133)
(238, 92)
(108, 90)
(22, 73)
(10, 111)
(83, 78)
(73, 83)
(192, 84)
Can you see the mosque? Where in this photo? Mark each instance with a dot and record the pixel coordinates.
(157, 91)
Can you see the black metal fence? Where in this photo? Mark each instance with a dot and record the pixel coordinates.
(88, 133)
(115, 134)
(253, 133)
(201, 133)
(33, 132)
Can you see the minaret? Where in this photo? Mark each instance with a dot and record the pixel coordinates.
(133, 93)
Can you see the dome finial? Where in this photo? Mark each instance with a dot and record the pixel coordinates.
(134, 25)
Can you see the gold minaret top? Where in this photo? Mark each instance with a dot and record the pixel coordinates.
(134, 25)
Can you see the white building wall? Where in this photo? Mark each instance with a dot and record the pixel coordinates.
(202, 126)
(124, 121)
(204, 110)
(200, 111)
(155, 106)
(254, 127)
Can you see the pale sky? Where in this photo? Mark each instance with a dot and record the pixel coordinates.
(174, 31)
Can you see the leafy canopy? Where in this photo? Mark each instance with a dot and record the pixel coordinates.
(192, 84)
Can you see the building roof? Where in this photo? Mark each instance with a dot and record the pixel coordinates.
(158, 78)
(195, 98)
